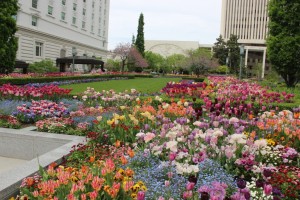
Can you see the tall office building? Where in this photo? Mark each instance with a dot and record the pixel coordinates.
(49, 29)
(248, 19)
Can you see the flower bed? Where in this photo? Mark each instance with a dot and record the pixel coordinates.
(175, 150)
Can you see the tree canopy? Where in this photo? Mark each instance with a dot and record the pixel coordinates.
(220, 50)
(284, 39)
(8, 28)
(140, 41)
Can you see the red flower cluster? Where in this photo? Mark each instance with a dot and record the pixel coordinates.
(287, 179)
(48, 91)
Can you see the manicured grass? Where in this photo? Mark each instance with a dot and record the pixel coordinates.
(145, 85)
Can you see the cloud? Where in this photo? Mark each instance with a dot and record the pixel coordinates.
(190, 20)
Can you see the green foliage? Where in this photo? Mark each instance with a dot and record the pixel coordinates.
(140, 41)
(220, 50)
(284, 39)
(234, 54)
(23, 81)
(43, 66)
(175, 62)
(223, 69)
(200, 61)
(8, 28)
(112, 65)
(155, 60)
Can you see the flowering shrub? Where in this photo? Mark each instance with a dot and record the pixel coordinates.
(102, 180)
(39, 110)
(29, 92)
(108, 98)
(9, 122)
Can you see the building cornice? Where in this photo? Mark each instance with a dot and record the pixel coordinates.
(29, 30)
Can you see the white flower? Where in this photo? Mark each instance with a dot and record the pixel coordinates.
(260, 143)
(237, 138)
(171, 134)
(172, 145)
(140, 134)
(186, 104)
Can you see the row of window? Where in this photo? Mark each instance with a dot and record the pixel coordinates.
(34, 22)
(63, 2)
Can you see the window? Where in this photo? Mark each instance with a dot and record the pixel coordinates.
(92, 28)
(34, 3)
(74, 20)
(93, 4)
(99, 31)
(50, 10)
(83, 25)
(93, 15)
(83, 11)
(84, 1)
(63, 16)
(74, 6)
(34, 21)
(38, 49)
(63, 2)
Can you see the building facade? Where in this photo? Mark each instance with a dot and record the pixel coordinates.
(50, 29)
(167, 48)
(248, 19)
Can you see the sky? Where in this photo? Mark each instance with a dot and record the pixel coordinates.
(179, 20)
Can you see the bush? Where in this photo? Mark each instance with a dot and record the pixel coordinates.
(23, 81)
(43, 66)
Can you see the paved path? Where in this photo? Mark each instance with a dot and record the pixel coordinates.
(9, 163)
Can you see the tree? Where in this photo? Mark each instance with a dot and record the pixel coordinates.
(176, 62)
(284, 39)
(136, 62)
(122, 50)
(140, 41)
(200, 61)
(220, 50)
(8, 28)
(155, 60)
(233, 54)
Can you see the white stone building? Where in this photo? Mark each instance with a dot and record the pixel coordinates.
(248, 19)
(49, 29)
(167, 48)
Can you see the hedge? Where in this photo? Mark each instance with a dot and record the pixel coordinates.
(23, 81)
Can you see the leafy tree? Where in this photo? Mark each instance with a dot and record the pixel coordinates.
(140, 41)
(234, 54)
(112, 65)
(122, 51)
(8, 28)
(220, 50)
(200, 61)
(155, 60)
(176, 62)
(43, 66)
(133, 40)
(284, 39)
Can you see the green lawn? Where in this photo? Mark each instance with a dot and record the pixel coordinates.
(145, 85)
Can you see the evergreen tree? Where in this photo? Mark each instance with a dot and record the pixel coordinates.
(8, 28)
(133, 40)
(140, 41)
(284, 39)
(220, 50)
(233, 54)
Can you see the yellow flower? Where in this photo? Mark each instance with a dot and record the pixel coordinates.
(122, 107)
(110, 122)
(271, 142)
(122, 117)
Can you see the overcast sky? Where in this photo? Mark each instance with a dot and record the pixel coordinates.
(182, 20)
